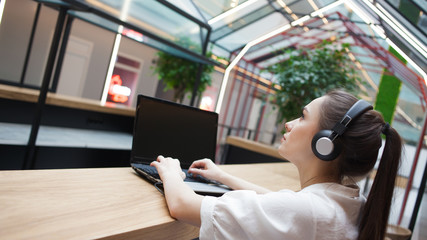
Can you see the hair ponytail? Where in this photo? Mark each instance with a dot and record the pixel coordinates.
(376, 211)
(361, 143)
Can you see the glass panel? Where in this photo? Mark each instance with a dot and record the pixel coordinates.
(218, 51)
(215, 8)
(266, 43)
(94, 19)
(156, 18)
(230, 17)
(242, 22)
(239, 38)
(162, 26)
(411, 14)
(322, 3)
(189, 7)
(412, 10)
(301, 7)
(409, 125)
(111, 26)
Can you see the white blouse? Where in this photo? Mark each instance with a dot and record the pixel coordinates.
(320, 211)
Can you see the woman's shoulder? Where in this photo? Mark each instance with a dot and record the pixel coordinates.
(332, 196)
(351, 190)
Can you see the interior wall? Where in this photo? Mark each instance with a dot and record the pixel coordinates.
(74, 67)
(15, 30)
(213, 90)
(103, 41)
(268, 127)
(41, 45)
(147, 82)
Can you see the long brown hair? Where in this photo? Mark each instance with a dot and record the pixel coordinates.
(361, 143)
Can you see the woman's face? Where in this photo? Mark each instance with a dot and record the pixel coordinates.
(296, 142)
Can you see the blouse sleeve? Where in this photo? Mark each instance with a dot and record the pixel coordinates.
(247, 215)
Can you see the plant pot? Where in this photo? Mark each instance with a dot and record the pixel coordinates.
(395, 232)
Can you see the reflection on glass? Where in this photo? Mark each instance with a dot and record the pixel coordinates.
(413, 11)
(156, 18)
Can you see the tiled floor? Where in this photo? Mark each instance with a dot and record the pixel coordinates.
(17, 134)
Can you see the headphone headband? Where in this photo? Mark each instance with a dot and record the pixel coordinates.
(354, 112)
(323, 144)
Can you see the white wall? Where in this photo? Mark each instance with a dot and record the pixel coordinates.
(147, 83)
(75, 66)
(103, 41)
(15, 31)
(41, 45)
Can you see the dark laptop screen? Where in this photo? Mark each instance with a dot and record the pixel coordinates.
(173, 130)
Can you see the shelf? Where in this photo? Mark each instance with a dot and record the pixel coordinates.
(17, 134)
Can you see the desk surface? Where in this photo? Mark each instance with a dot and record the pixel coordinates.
(253, 146)
(110, 203)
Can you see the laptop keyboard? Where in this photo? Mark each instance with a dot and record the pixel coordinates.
(152, 171)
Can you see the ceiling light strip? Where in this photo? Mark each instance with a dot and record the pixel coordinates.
(367, 20)
(111, 66)
(124, 12)
(300, 20)
(397, 27)
(226, 75)
(408, 59)
(402, 28)
(314, 6)
(326, 8)
(260, 39)
(2, 6)
(231, 11)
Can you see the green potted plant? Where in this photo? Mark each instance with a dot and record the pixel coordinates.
(180, 74)
(310, 73)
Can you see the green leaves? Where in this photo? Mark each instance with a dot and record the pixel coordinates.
(310, 73)
(180, 74)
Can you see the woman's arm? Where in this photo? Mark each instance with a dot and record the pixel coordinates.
(208, 169)
(183, 203)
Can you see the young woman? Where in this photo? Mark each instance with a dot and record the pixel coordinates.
(329, 204)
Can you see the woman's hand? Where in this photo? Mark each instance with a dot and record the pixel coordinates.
(206, 168)
(182, 202)
(167, 166)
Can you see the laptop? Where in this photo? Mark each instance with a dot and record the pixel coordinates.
(174, 130)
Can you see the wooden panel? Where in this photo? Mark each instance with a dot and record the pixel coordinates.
(253, 146)
(31, 95)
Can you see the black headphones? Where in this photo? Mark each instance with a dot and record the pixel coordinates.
(323, 144)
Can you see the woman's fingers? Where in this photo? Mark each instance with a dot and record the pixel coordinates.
(202, 163)
(183, 175)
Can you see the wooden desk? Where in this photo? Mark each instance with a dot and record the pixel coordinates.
(109, 203)
(253, 146)
(240, 150)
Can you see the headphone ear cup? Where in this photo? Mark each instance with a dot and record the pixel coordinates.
(323, 147)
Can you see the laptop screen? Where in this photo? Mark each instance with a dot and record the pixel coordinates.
(172, 130)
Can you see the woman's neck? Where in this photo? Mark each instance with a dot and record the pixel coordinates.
(318, 179)
(319, 172)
